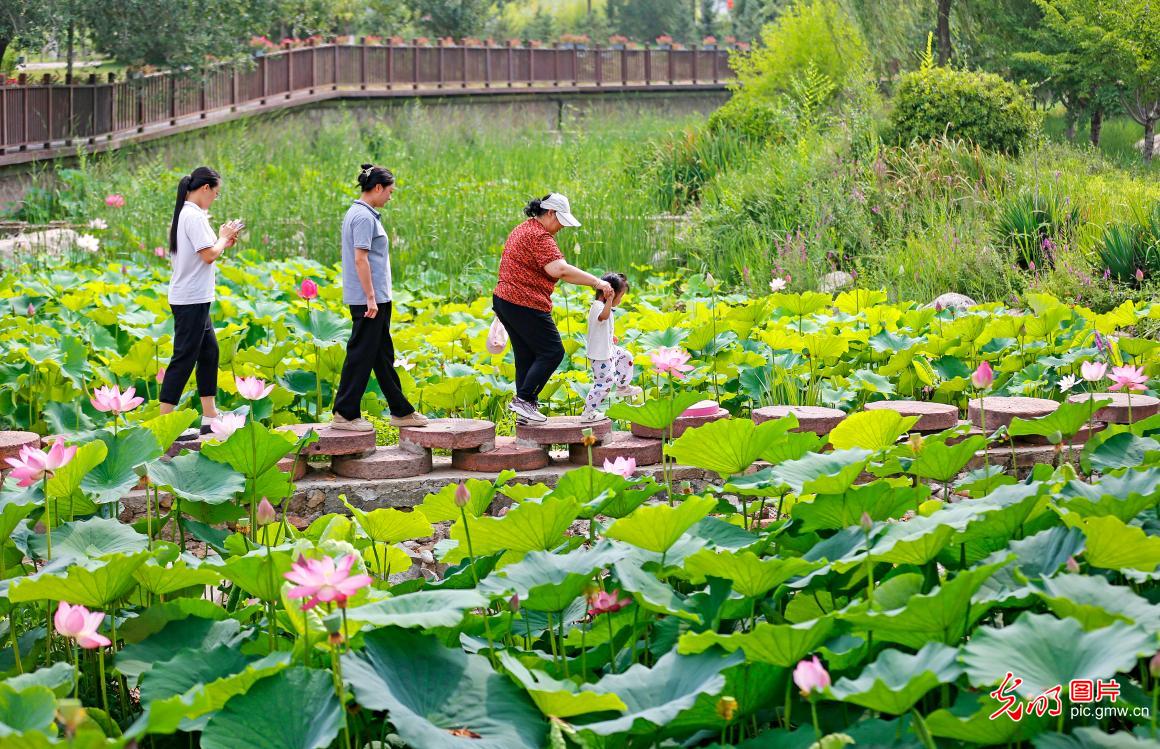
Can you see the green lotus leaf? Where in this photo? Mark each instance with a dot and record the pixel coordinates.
(657, 527)
(917, 541)
(869, 381)
(1045, 652)
(166, 428)
(65, 484)
(29, 709)
(726, 536)
(529, 526)
(292, 709)
(260, 572)
(176, 673)
(551, 582)
(561, 699)
(16, 506)
(89, 582)
(191, 634)
(751, 575)
(1114, 545)
(440, 506)
(656, 696)
(897, 680)
(603, 493)
(1123, 496)
(1096, 603)
(251, 450)
(970, 721)
(805, 303)
(389, 526)
(1060, 425)
(196, 478)
(870, 430)
(653, 594)
(938, 461)
(89, 539)
(792, 446)
(165, 579)
(829, 473)
(117, 473)
(383, 560)
(1114, 449)
(943, 615)
(727, 446)
(655, 414)
(58, 677)
(1093, 737)
(882, 500)
(152, 620)
(423, 608)
(776, 644)
(1000, 514)
(1038, 555)
(431, 690)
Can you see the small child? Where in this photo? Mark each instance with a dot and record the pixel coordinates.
(611, 364)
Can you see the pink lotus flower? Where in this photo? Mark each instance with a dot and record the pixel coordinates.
(1093, 371)
(621, 466)
(811, 676)
(462, 495)
(671, 360)
(32, 465)
(159, 251)
(308, 290)
(1139, 275)
(226, 424)
(161, 374)
(606, 603)
(252, 388)
(1128, 378)
(81, 625)
(324, 581)
(115, 200)
(265, 512)
(982, 377)
(110, 399)
(31, 310)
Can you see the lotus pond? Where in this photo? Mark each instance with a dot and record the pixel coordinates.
(864, 587)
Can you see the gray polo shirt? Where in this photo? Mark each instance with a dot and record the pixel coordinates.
(192, 281)
(362, 229)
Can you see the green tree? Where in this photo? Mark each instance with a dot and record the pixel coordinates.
(24, 24)
(747, 18)
(707, 20)
(645, 20)
(454, 18)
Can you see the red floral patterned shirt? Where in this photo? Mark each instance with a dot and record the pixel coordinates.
(522, 279)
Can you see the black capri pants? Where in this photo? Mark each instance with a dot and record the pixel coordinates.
(194, 345)
(535, 343)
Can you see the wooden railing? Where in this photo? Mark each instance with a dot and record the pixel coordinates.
(45, 120)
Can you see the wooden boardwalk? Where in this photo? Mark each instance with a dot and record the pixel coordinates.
(48, 120)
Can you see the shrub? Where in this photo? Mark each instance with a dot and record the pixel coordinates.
(1130, 247)
(678, 167)
(1034, 223)
(750, 117)
(980, 107)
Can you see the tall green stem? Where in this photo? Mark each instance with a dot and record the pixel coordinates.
(475, 577)
(101, 672)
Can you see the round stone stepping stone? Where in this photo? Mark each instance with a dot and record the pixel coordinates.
(333, 441)
(561, 430)
(816, 419)
(646, 451)
(1143, 406)
(449, 434)
(701, 408)
(509, 454)
(680, 425)
(1000, 410)
(932, 417)
(11, 443)
(296, 468)
(384, 463)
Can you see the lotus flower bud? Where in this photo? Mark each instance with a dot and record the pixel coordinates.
(462, 495)
(982, 377)
(866, 522)
(514, 603)
(1154, 666)
(1072, 565)
(266, 513)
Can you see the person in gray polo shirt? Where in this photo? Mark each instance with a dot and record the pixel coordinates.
(366, 289)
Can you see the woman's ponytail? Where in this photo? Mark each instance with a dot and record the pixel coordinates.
(200, 177)
(533, 209)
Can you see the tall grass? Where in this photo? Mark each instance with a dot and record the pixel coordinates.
(460, 190)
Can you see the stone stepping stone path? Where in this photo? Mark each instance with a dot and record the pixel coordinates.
(334, 441)
(682, 424)
(561, 430)
(449, 434)
(383, 463)
(1000, 410)
(1143, 406)
(932, 417)
(11, 443)
(508, 454)
(821, 421)
(644, 450)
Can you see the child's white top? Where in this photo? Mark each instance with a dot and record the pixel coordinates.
(599, 332)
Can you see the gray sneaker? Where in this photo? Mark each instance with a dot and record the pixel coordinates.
(413, 419)
(351, 425)
(526, 412)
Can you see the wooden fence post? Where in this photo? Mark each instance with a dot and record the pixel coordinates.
(694, 53)
(112, 105)
(415, 64)
(362, 67)
(599, 66)
(265, 79)
(390, 64)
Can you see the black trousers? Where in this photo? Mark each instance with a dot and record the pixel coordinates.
(535, 343)
(194, 344)
(370, 349)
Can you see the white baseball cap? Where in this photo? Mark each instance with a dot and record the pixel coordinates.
(558, 203)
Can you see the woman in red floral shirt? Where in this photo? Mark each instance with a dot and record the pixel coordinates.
(528, 271)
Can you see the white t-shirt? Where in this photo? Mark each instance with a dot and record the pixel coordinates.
(193, 278)
(600, 332)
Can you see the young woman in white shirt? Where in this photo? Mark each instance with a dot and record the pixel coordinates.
(194, 248)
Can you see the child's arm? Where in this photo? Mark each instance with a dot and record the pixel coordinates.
(604, 313)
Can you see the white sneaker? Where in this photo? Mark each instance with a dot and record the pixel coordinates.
(591, 416)
(630, 391)
(526, 412)
(413, 419)
(351, 425)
